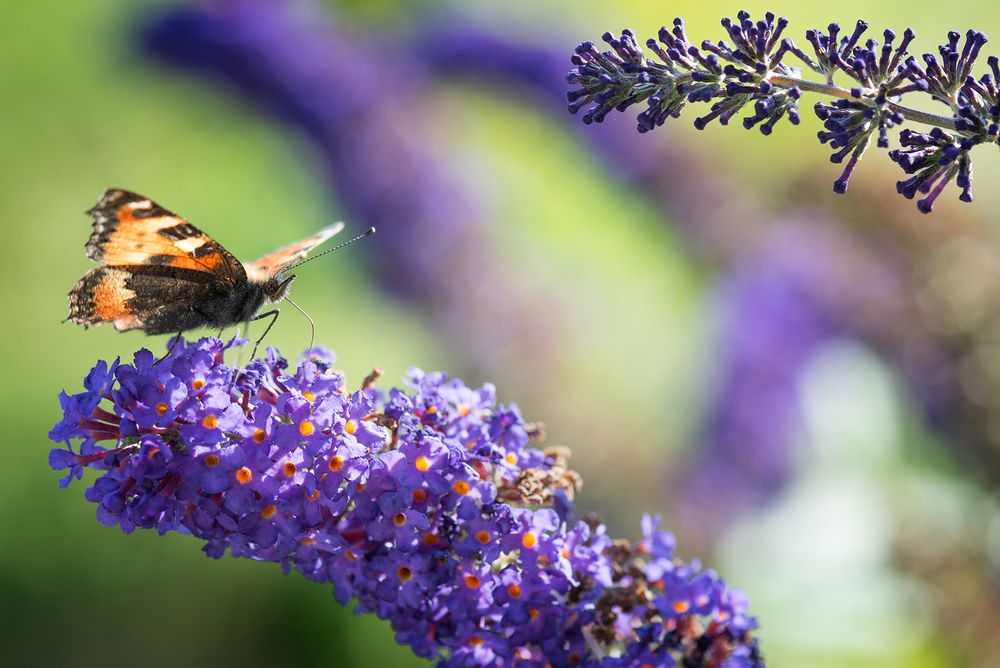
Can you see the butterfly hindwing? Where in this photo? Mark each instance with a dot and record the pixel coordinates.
(102, 296)
(156, 299)
(276, 261)
(130, 229)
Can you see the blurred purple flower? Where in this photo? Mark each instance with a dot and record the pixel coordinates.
(770, 325)
(359, 103)
(290, 59)
(693, 194)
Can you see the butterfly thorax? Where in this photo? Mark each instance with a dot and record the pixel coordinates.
(237, 306)
(243, 303)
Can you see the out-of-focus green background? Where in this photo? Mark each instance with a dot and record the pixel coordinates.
(81, 112)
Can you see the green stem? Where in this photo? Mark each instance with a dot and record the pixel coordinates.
(914, 115)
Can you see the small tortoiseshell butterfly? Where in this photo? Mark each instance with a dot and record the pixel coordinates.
(163, 275)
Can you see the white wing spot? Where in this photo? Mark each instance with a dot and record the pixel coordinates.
(190, 245)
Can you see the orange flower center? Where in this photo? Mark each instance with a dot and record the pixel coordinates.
(210, 421)
(244, 475)
(306, 428)
(483, 537)
(422, 463)
(259, 436)
(419, 495)
(404, 573)
(399, 520)
(472, 582)
(529, 540)
(161, 408)
(514, 591)
(336, 463)
(351, 426)
(289, 469)
(211, 461)
(269, 511)
(461, 487)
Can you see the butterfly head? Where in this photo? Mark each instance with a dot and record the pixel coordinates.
(276, 288)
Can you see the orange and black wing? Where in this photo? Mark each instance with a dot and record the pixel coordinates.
(130, 229)
(155, 299)
(158, 268)
(267, 266)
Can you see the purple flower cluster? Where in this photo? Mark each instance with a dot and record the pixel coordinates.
(934, 158)
(615, 80)
(429, 506)
(850, 124)
(754, 71)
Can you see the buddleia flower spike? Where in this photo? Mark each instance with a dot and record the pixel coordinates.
(867, 81)
(430, 505)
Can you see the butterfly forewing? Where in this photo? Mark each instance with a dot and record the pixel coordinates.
(276, 261)
(130, 229)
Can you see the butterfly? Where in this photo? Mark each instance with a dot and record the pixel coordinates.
(161, 274)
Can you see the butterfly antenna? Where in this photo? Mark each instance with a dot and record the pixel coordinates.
(370, 231)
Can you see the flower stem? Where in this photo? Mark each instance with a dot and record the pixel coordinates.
(914, 115)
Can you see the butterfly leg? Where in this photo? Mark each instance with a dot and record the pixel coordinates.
(177, 339)
(274, 317)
